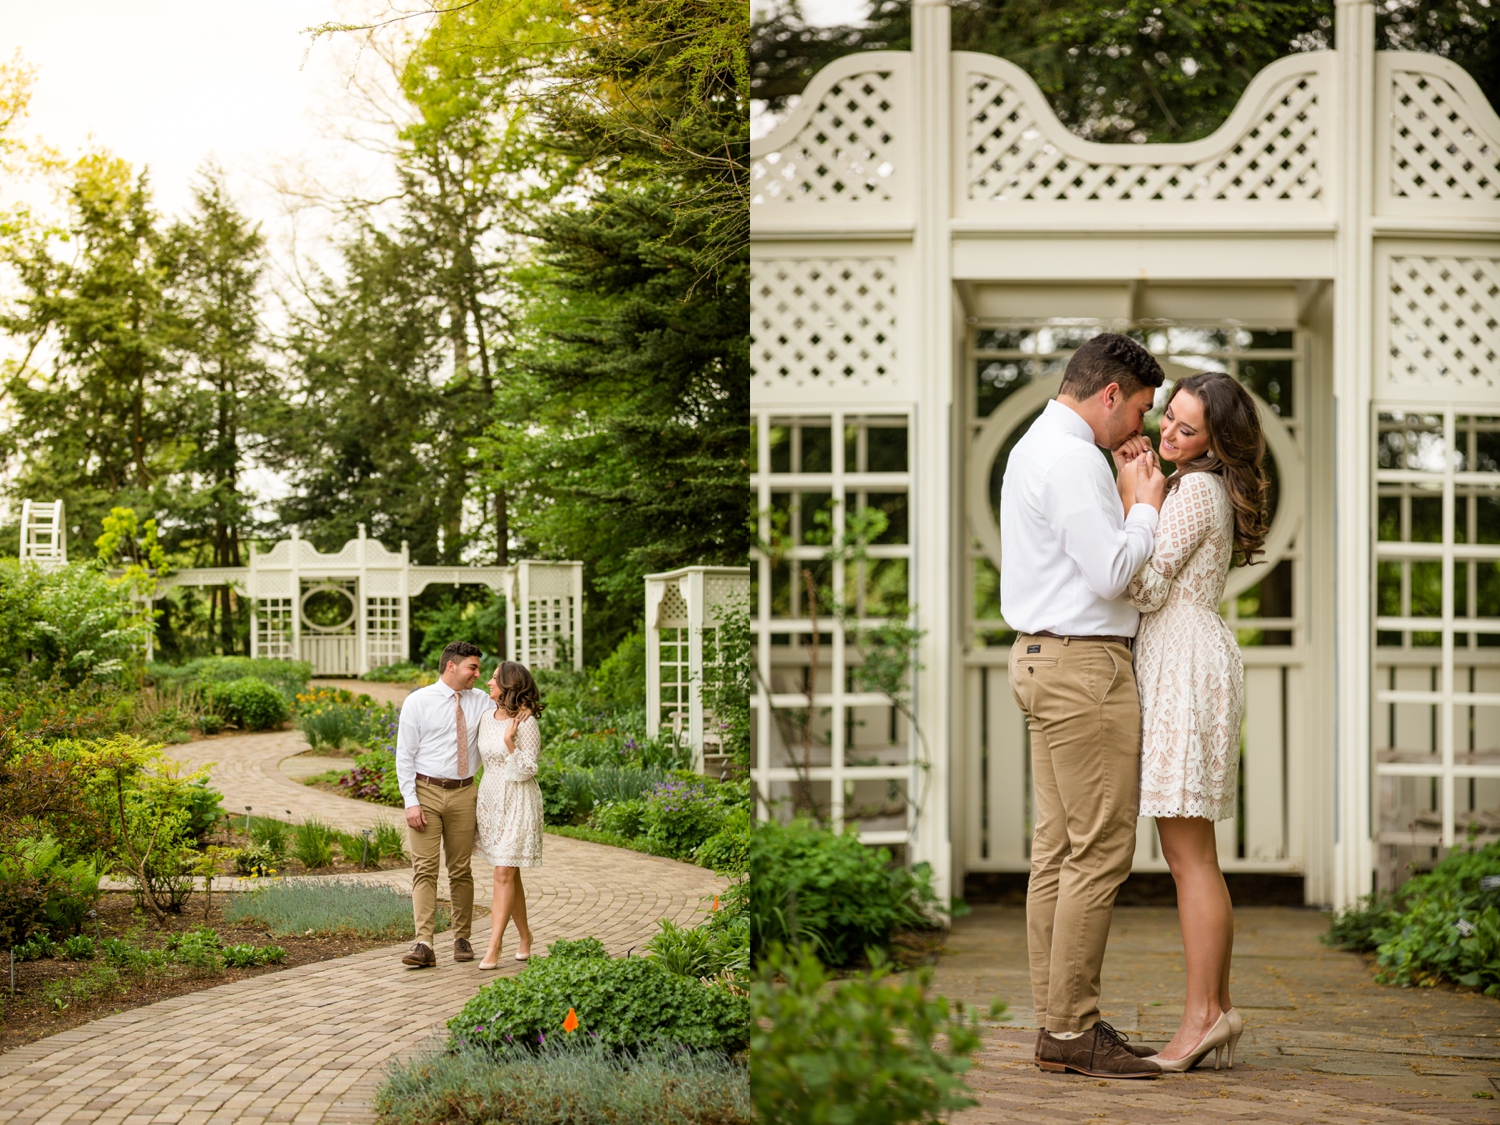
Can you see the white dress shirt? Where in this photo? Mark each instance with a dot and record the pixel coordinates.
(427, 737)
(1067, 549)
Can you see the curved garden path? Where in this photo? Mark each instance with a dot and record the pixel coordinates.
(310, 1044)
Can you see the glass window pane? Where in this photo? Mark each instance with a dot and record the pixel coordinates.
(1271, 379)
(894, 505)
(817, 448)
(886, 448)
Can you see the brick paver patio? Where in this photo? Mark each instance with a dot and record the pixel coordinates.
(1323, 1042)
(310, 1044)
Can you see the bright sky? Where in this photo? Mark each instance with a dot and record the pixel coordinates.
(171, 84)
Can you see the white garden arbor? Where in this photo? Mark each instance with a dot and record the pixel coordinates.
(929, 244)
(349, 611)
(684, 609)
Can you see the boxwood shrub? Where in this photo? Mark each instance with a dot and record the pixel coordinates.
(250, 703)
(623, 1003)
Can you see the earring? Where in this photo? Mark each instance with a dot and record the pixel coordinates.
(1209, 456)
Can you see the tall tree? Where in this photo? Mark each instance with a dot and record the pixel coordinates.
(93, 415)
(216, 260)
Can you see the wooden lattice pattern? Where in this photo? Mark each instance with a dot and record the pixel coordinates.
(1445, 321)
(275, 622)
(1010, 157)
(823, 321)
(383, 639)
(843, 153)
(1435, 152)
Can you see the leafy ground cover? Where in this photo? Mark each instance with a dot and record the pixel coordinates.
(1440, 926)
(132, 959)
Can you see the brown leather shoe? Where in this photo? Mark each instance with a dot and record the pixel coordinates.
(463, 951)
(420, 957)
(1139, 1050)
(1099, 1052)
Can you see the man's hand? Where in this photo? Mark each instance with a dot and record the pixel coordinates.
(1125, 482)
(415, 819)
(1129, 450)
(1150, 484)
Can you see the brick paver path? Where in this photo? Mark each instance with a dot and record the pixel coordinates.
(1323, 1042)
(310, 1044)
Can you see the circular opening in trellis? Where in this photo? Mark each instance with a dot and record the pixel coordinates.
(328, 609)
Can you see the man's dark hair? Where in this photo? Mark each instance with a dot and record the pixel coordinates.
(1110, 358)
(458, 650)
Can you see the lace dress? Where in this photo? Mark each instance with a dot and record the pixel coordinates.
(1191, 675)
(510, 802)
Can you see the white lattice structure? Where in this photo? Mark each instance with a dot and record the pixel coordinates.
(929, 244)
(44, 533)
(348, 612)
(684, 609)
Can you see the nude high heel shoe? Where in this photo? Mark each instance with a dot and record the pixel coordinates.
(1236, 1029)
(1214, 1041)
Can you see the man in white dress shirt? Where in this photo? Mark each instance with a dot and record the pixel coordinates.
(437, 750)
(1070, 548)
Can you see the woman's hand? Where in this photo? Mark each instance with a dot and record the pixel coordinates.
(508, 731)
(1125, 483)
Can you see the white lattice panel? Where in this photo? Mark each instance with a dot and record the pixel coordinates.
(1444, 321)
(720, 590)
(823, 322)
(1014, 152)
(1437, 151)
(673, 613)
(843, 153)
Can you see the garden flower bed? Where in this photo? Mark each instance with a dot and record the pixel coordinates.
(54, 993)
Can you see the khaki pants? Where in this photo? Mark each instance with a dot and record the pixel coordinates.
(1081, 705)
(450, 825)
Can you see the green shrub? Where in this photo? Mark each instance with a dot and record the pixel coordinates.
(624, 783)
(655, 1085)
(622, 818)
(123, 955)
(390, 839)
(312, 843)
(702, 951)
(557, 801)
(209, 723)
(359, 849)
(273, 835)
(199, 949)
(407, 673)
(808, 884)
(1444, 925)
(241, 956)
(332, 906)
(36, 947)
(373, 778)
(860, 1052)
(334, 726)
(727, 851)
(204, 808)
(250, 703)
(74, 622)
(257, 860)
(79, 947)
(289, 677)
(624, 1003)
(680, 815)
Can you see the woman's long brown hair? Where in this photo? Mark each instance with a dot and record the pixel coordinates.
(518, 691)
(1236, 452)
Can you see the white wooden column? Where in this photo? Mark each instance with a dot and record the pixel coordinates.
(1352, 383)
(932, 578)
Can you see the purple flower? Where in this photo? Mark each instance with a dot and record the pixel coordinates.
(541, 1037)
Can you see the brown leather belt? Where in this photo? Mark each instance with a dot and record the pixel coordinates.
(446, 782)
(1103, 640)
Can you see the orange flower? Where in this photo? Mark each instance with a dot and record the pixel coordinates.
(570, 1024)
(716, 902)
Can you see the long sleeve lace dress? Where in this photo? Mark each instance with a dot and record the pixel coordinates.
(1188, 666)
(510, 801)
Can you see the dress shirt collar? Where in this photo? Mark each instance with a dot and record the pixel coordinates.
(1070, 420)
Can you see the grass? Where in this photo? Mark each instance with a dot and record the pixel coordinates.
(331, 906)
(567, 1083)
(312, 844)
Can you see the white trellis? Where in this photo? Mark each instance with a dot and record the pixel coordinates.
(929, 244)
(44, 533)
(684, 609)
(368, 590)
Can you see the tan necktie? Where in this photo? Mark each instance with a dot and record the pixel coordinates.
(463, 735)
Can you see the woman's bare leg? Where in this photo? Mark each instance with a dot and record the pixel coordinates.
(1207, 919)
(518, 912)
(501, 907)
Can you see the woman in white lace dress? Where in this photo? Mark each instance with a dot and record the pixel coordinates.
(1192, 680)
(509, 810)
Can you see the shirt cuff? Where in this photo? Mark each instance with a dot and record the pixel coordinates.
(1143, 513)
